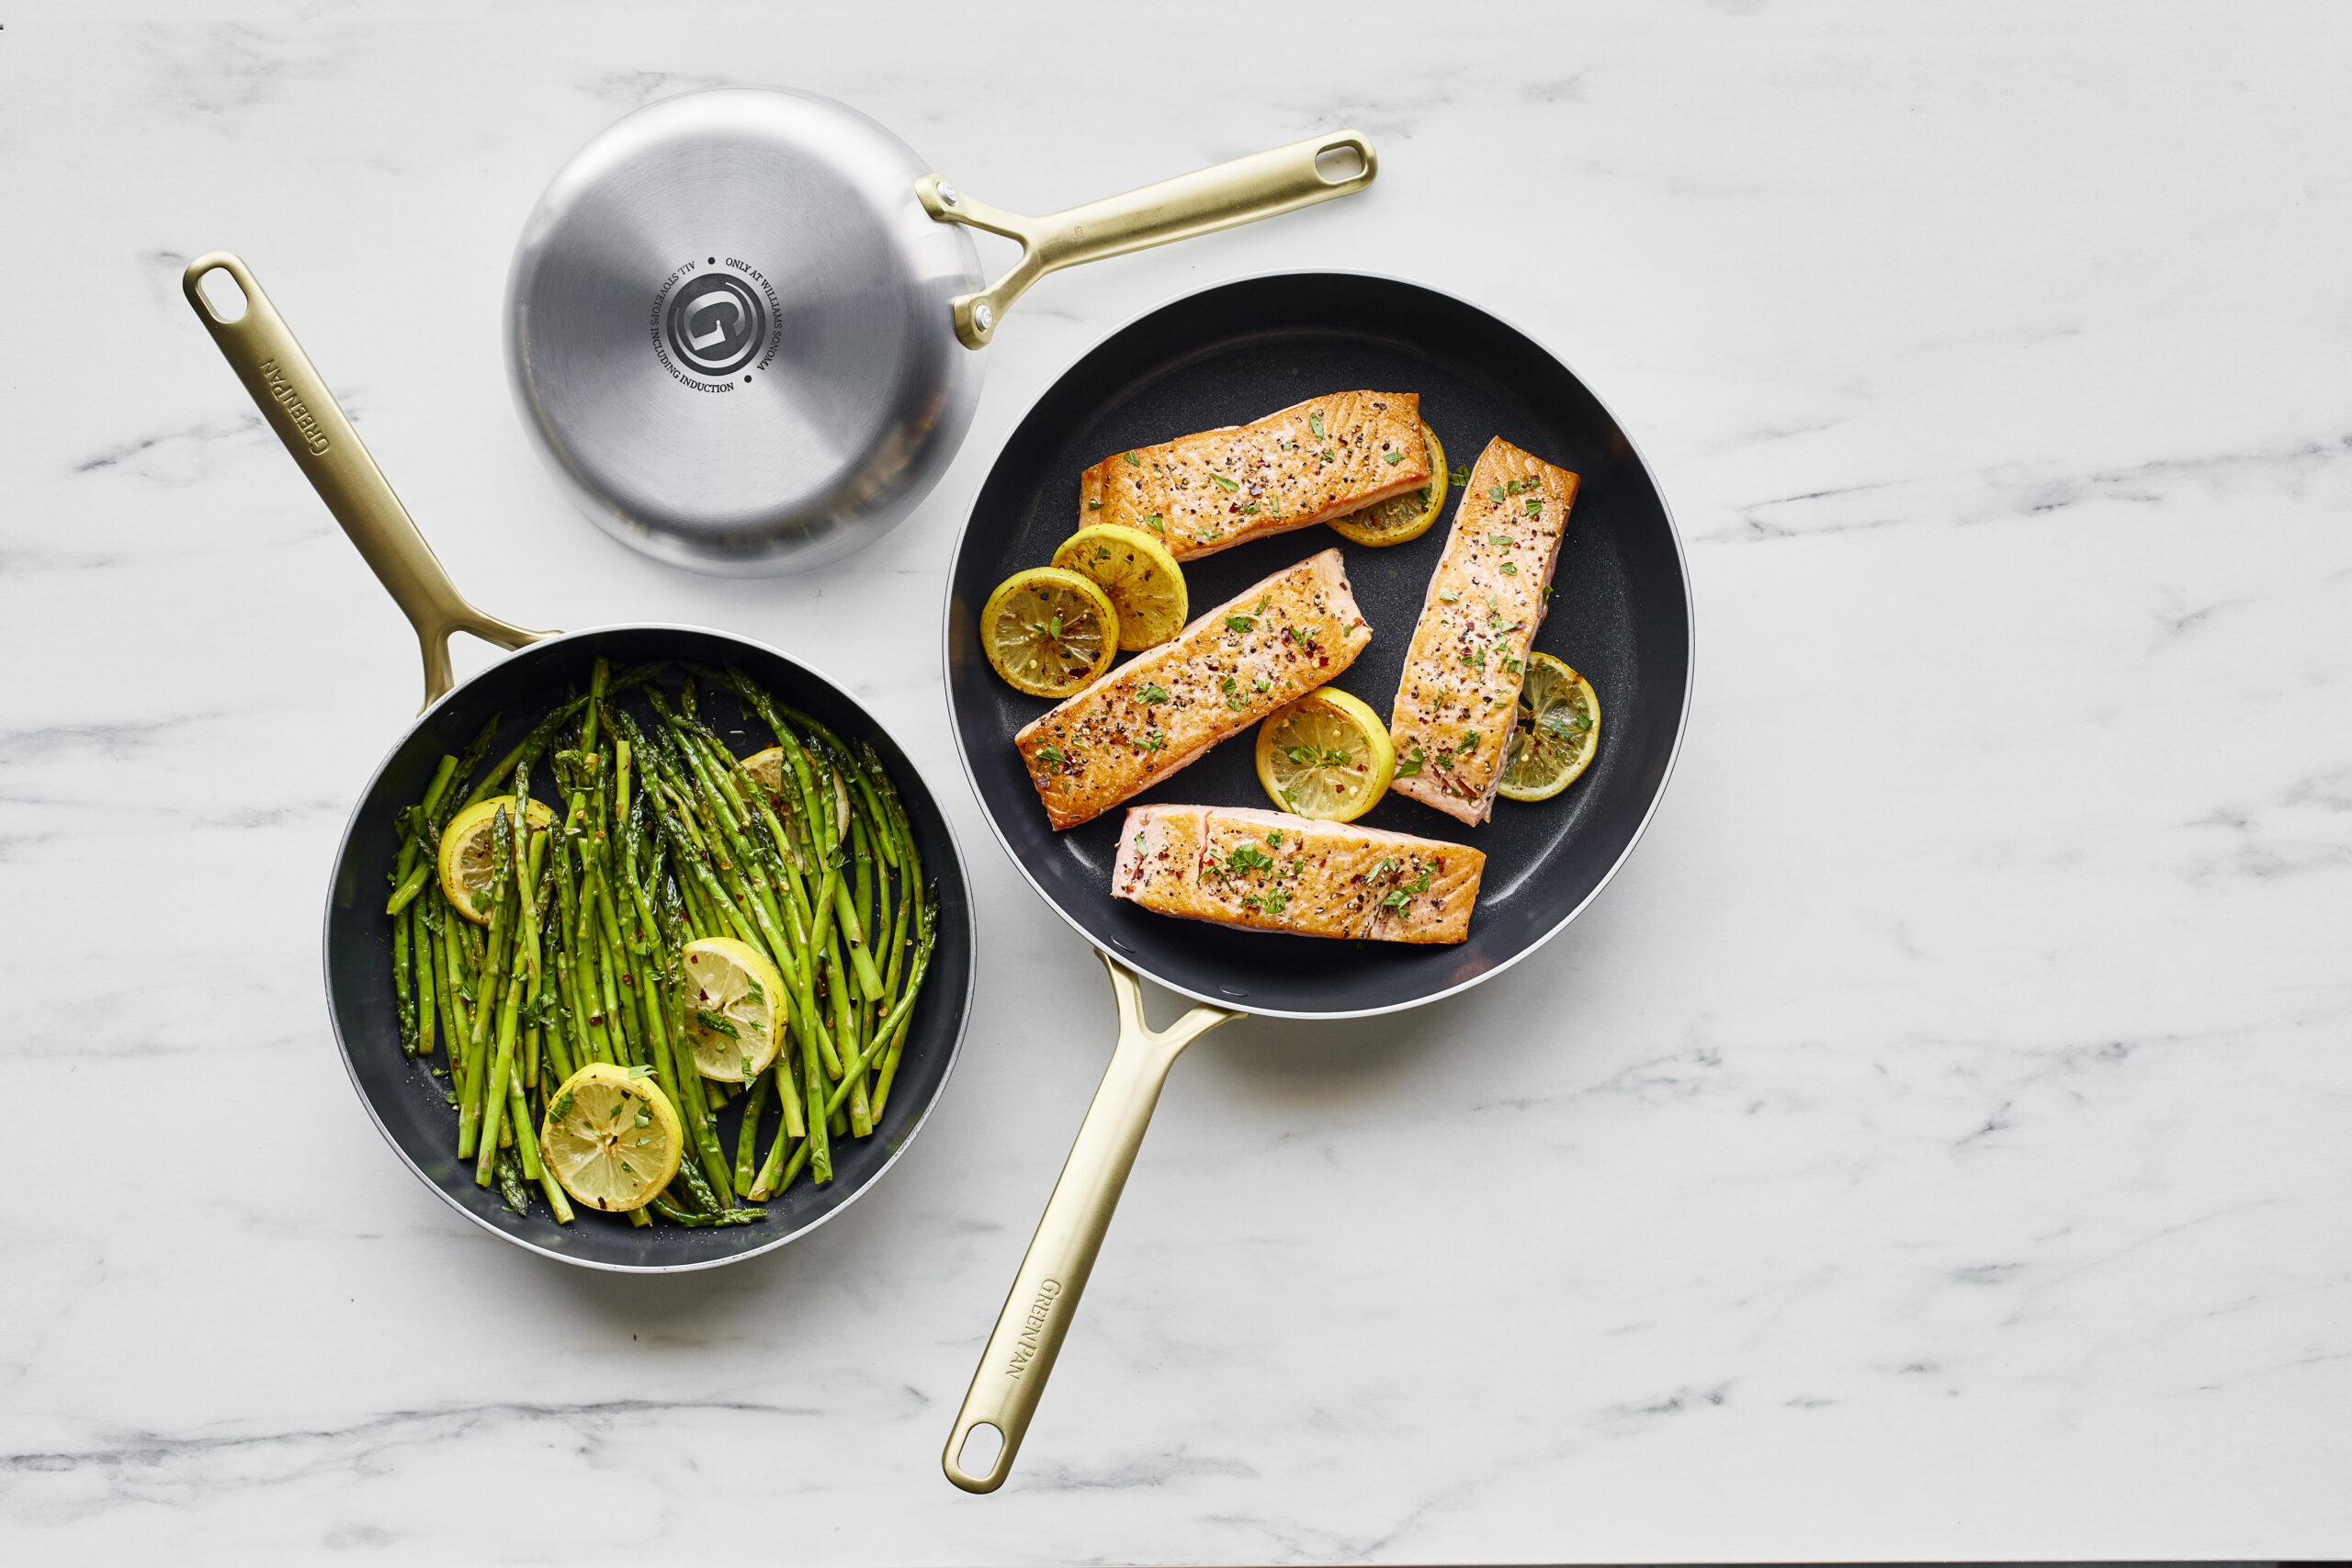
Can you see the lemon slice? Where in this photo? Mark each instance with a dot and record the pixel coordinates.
(1400, 518)
(611, 1137)
(1049, 631)
(1146, 585)
(1557, 729)
(1325, 756)
(467, 846)
(766, 769)
(733, 996)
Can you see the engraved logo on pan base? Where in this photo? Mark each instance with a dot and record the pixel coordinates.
(714, 325)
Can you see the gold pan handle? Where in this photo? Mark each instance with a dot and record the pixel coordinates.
(1260, 185)
(293, 398)
(1028, 1335)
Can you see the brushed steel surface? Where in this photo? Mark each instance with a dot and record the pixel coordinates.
(676, 430)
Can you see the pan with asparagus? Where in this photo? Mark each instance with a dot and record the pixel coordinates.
(622, 927)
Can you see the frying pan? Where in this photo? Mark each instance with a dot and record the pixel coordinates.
(733, 320)
(402, 1097)
(1621, 617)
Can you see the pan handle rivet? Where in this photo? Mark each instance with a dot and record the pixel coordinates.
(983, 315)
(947, 194)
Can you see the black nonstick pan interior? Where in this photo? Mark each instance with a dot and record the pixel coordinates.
(1622, 617)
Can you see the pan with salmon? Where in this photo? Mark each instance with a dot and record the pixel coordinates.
(1218, 361)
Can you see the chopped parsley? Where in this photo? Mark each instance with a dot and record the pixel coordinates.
(1407, 768)
(1399, 897)
(1501, 541)
(1315, 424)
(1510, 568)
(1093, 506)
(1131, 457)
(1515, 487)
(1393, 457)
(1275, 838)
(1248, 857)
(1050, 755)
(1496, 495)
(1224, 483)
(717, 1024)
(1459, 478)
(1156, 741)
(1277, 900)
(1535, 506)
(1153, 520)
(1153, 692)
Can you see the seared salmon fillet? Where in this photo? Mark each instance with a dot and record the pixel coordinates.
(1322, 459)
(1269, 870)
(1224, 672)
(1460, 695)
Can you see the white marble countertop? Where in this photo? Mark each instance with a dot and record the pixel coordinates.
(1937, 1143)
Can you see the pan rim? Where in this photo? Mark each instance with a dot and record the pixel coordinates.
(1235, 1004)
(343, 1049)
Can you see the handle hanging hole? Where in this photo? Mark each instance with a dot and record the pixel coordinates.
(1337, 164)
(982, 1446)
(222, 295)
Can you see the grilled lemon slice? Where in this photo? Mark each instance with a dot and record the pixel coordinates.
(1146, 585)
(734, 1001)
(1555, 733)
(1049, 631)
(1325, 756)
(467, 845)
(1401, 518)
(611, 1137)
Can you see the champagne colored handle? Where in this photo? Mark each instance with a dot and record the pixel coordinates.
(1260, 185)
(294, 399)
(1020, 1354)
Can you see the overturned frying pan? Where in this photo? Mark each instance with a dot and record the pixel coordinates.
(1622, 617)
(402, 1096)
(743, 324)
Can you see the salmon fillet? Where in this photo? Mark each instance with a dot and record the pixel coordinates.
(1271, 872)
(1460, 695)
(1319, 460)
(1229, 668)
